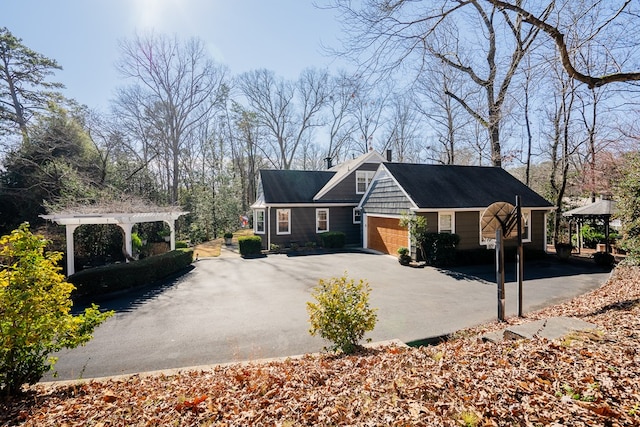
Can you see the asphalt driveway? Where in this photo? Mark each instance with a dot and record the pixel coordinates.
(230, 309)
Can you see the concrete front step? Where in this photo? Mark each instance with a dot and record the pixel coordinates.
(552, 328)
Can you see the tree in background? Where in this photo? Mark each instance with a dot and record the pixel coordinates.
(289, 111)
(175, 87)
(35, 310)
(24, 88)
(464, 36)
(58, 163)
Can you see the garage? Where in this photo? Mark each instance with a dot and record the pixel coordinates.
(386, 235)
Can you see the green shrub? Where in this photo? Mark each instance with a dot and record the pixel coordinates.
(181, 244)
(116, 277)
(341, 313)
(603, 259)
(136, 242)
(333, 239)
(250, 245)
(403, 256)
(35, 318)
(440, 248)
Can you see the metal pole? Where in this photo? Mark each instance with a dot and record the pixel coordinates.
(519, 261)
(500, 273)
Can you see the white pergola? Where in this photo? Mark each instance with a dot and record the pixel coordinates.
(125, 221)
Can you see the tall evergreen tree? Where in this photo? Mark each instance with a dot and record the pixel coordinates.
(24, 88)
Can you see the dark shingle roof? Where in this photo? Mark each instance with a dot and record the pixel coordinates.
(292, 186)
(457, 187)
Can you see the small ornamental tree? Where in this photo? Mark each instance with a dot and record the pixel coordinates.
(417, 226)
(35, 318)
(341, 313)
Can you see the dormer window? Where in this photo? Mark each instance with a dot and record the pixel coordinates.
(363, 179)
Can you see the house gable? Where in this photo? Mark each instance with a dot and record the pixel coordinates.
(385, 196)
(342, 186)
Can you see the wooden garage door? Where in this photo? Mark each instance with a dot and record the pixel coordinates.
(386, 235)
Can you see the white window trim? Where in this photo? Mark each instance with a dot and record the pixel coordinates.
(288, 211)
(318, 210)
(453, 221)
(255, 221)
(357, 210)
(526, 238)
(368, 177)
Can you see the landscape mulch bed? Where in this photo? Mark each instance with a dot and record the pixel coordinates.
(590, 378)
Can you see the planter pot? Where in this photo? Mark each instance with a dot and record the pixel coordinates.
(404, 259)
(563, 251)
(167, 239)
(228, 240)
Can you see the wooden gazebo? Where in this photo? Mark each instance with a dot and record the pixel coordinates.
(601, 210)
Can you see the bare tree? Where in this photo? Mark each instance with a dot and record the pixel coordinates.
(369, 106)
(563, 143)
(176, 87)
(288, 110)
(340, 104)
(245, 133)
(402, 129)
(391, 35)
(626, 32)
(440, 112)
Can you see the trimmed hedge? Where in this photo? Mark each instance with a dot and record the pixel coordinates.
(333, 239)
(250, 245)
(440, 248)
(117, 277)
(604, 259)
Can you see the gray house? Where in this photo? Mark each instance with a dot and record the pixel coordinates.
(452, 198)
(294, 207)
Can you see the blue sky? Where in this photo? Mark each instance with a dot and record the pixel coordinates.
(82, 35)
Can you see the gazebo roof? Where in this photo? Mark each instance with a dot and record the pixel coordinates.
(599, 209)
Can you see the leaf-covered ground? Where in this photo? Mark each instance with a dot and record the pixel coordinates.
(585, 379)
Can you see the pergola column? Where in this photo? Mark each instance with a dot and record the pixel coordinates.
(71, 259)
(128, 247)
(172, 228)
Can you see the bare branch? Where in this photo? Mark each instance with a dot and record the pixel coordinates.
(559, 38)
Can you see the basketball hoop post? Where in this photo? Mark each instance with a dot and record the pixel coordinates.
(500, 273)
(519, 260)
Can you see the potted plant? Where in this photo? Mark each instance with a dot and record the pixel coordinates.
(403, 256)
(165, 234)
(563, 250)
(228, 238)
